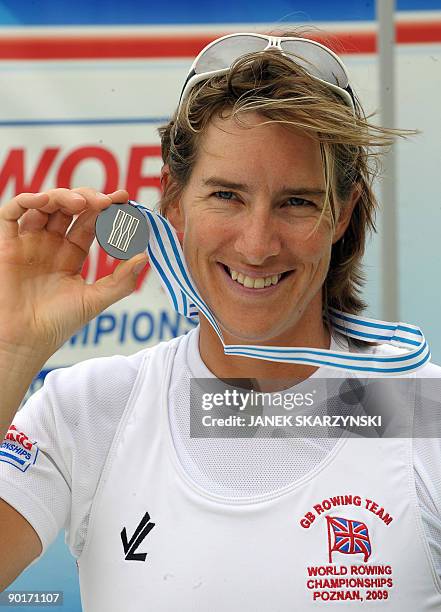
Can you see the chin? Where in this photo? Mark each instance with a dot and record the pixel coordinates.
(257, 333)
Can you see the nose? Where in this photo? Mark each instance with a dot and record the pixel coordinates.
(258, 237)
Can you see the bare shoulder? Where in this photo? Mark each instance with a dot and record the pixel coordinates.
(19, 544)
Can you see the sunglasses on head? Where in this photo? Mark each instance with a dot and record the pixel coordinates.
(319, 62)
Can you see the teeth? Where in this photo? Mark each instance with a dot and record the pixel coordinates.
(254, 283)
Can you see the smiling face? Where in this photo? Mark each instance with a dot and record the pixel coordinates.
(252, 240)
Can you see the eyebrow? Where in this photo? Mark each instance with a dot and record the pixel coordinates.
(216, 181)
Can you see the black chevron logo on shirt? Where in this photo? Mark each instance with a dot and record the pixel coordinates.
(130, 546)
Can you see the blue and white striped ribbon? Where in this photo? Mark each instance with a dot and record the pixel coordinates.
(167, 258)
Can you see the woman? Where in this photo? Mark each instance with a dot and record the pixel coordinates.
(267, 175)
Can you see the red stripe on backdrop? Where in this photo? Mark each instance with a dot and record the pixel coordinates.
(429, 32)
(113, 46)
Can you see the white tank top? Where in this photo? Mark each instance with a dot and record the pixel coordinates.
(347, 536)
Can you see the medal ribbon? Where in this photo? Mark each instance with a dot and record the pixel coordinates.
(167, 259)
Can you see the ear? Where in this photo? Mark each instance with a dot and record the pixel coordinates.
(176, 217)
(345, 214)
(174, 210)
(165, 176)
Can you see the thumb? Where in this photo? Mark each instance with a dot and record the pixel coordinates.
(121, 283)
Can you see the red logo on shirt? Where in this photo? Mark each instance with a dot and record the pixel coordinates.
(18, 436)
(348, 536)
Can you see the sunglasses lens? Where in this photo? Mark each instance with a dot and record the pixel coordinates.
(317, 61)
(223, 53)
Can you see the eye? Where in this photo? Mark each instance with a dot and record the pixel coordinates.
(296, 202)
(223, 195)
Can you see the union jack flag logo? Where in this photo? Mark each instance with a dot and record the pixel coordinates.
(348, 537)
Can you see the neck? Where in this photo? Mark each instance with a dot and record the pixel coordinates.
(228, 367)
